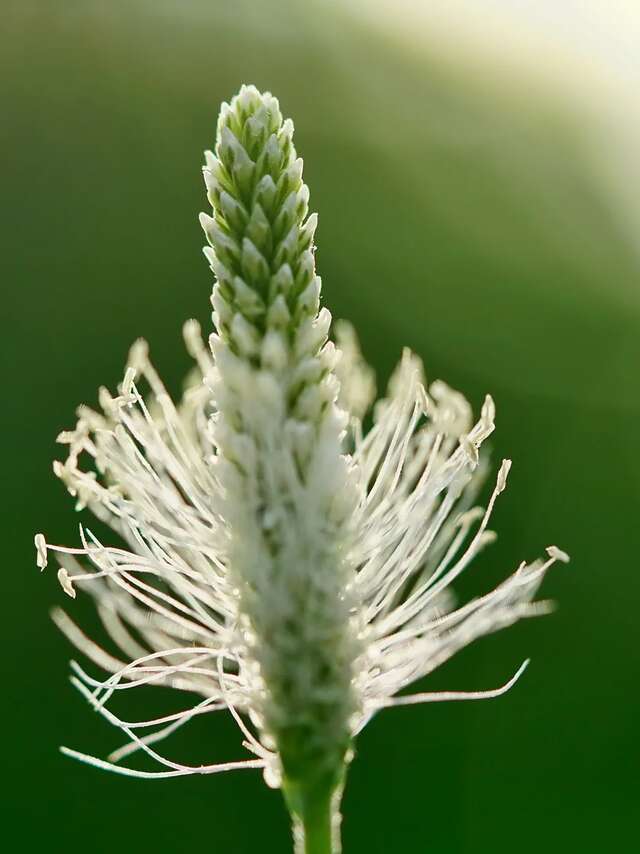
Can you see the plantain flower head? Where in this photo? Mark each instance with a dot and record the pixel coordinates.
(270, 557)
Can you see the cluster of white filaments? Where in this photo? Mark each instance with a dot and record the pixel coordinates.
(202, 592)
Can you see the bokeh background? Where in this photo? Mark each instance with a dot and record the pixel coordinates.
(476, 203)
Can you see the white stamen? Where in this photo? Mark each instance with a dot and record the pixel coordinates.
(160, 775)
(557, 554)
(503, 474)
(41, 551)
(446, 696)
(65, 582)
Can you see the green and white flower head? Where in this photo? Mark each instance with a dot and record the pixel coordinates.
(279, 563)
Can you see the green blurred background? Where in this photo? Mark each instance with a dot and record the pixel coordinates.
(456, 218)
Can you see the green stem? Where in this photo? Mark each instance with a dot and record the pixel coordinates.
(316, 819)
(319, 829)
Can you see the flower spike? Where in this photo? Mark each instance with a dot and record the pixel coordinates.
(272, 558)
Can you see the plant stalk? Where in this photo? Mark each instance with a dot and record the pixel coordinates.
(316, 823)
(321, 832)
